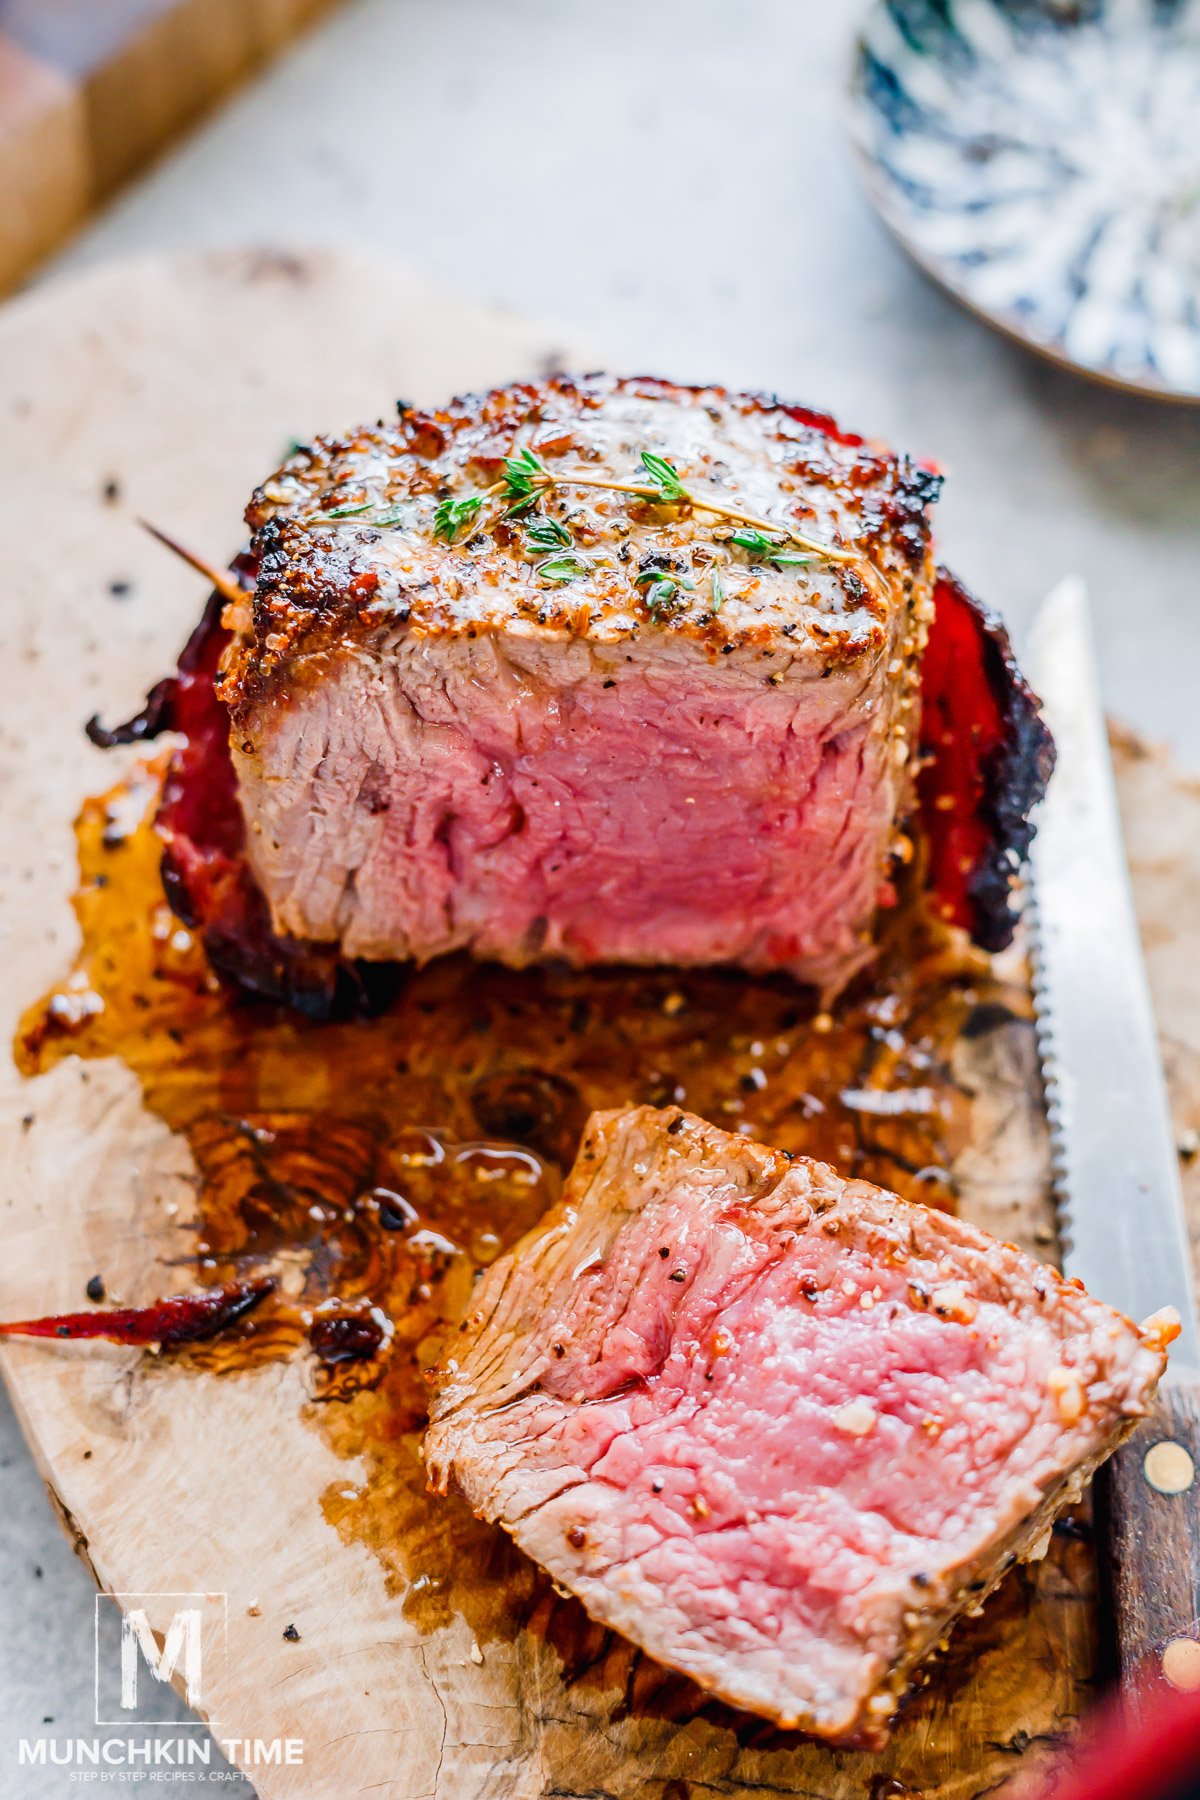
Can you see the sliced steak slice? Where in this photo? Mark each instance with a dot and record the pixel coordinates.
(608, 726)
(779, 1428)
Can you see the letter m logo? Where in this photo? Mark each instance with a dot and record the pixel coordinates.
(151, 1651)
(181, 1650)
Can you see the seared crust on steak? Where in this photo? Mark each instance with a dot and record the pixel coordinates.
(328, 574)
(779, 1428)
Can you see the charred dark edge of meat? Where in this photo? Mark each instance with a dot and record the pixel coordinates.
(986, 758)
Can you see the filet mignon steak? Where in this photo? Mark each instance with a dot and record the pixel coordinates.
(604, 719)
(779, 1428)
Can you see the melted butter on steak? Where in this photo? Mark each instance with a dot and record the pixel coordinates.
(323, 574)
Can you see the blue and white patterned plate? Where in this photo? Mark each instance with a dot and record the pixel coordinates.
(1042, 162)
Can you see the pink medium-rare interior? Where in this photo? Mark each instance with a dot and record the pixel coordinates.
(782, 1443)
(578, 805)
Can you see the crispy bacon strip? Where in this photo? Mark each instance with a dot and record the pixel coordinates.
(179, 1319)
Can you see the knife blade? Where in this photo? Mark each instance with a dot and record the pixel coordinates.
(1115, 1164)
(1116, 1167)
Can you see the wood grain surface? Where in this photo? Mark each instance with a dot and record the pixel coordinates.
(165, 388)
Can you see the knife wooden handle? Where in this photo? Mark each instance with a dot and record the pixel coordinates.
(1149, 1516)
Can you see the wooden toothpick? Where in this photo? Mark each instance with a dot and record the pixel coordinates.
(225, 583)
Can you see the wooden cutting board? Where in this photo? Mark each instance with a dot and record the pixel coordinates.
(166, 388)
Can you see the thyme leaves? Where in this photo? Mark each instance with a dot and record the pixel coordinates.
(525, 481)
(543, 533)
(662, 588)
(665, 477)
(451, 515)
(764, 549)
(561, 569)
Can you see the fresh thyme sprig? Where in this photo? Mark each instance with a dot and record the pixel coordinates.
(451, 515)
(526, 477)
(543, 533)
(563, 563)
(525, 480)
(768, 550)
(665, 476)
(662, 587)
(560, 569)
(395, 516)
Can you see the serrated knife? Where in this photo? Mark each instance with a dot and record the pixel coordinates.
(1116, 1167)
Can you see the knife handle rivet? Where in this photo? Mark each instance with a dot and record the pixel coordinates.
(1168, 1467)
(1181, 1664)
